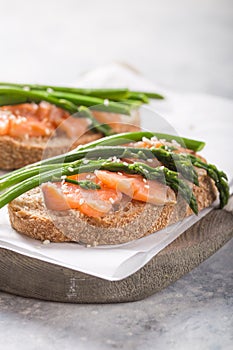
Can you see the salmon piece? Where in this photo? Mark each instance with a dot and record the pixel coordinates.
(53, 197)
(56, 115)
(39, 120)
(93, 203)
(32, 127)
(44, 111)
(112, 119)
(74, 127)
(23, 109)
(51, 117)
(98, 203)
(119, 122)
(137, 188)
(28, 119)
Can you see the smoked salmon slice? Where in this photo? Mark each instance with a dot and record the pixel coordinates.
(31, 119)
(93, 203)
(136, 187)
(97, 203)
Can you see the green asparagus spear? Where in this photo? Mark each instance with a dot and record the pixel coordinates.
(152, 95)
(34, 96)
(219, 177)
(111, 93)
(112, 140)
(161, 174)
(172, 161)
(65, 100)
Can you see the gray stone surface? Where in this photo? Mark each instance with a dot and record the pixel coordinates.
(181, 44)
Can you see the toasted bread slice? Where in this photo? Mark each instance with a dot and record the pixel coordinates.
(18, 151)
(132, 220)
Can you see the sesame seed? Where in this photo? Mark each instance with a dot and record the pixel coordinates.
(63, 177)
(106, 102)
(46, 241)
(144, 180)
(26, 88)
(47, 131)
(119, 173)
(111, 200)
(150, 160)
(49, 90)
(125, 163)
(85, 161)
(146, 140)
(146, 186)
(81, 201)
(175, 143)
(70, 169)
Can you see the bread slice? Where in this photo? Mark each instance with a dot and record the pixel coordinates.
(18, 152)
(132, 220)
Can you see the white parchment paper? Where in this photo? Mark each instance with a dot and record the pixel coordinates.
(197, 116)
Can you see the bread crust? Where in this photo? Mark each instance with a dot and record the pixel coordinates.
(131, 221)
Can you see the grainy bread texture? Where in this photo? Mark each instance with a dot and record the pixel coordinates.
(17, 152)
(132, 220)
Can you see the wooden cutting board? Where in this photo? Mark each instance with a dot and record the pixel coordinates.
(30, 277)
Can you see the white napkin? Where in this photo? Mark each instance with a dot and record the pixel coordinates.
(197, 116)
